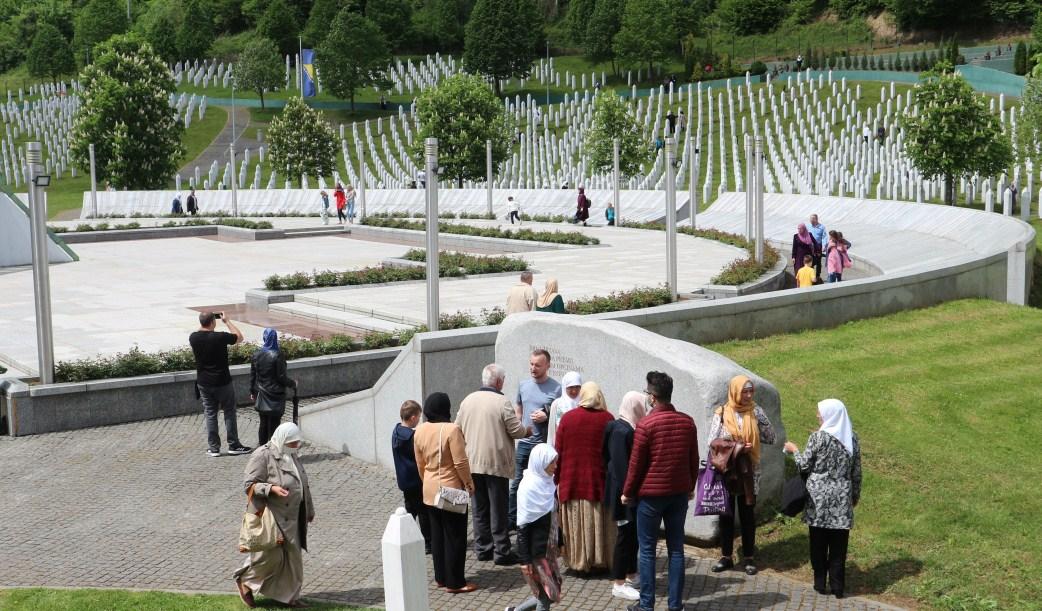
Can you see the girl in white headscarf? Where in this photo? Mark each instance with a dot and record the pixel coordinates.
(571, 384)
(537, 530)
(832, 461)
(275, 480)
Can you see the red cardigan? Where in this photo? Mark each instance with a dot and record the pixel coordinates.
(664, 460)
(580, 464)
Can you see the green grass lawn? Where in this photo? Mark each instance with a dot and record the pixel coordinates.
(42, 599)
(944, 401)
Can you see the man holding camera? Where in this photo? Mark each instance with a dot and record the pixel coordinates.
(214, 382)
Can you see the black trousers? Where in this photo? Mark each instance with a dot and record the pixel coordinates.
(414, 505)
(269, 421)
(747, 517)
(448, 546)
(624, 561)
(817, 266)
(341, 214)
(514, 215)
(828, 556)
(491, 515)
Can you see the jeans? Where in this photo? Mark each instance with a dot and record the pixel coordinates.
(535, 604)
(351, 209)
(524, 449)
(834, 277)
(223, 398)
(651, 512)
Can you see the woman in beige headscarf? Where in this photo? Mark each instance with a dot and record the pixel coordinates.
(585, 520)
(275, 480)
(743, 421)
(618, 443)
(550, 300)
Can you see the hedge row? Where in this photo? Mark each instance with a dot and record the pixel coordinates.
(555, 237)
(193, 222)
(472, 264)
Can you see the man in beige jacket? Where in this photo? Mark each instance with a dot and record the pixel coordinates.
(490, 426)
(522, 296)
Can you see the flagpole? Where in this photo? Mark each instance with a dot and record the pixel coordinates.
(300, 64)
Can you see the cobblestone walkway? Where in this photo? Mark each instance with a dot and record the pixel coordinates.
(142, 506)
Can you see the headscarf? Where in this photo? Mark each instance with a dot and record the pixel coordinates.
(749, 431)
(271, 340)
(437, 407)
(803, 235)
(548, 293)
(591, 397)
(570, 379)
(536, 493)
(836, 422)
(287, 432)
(632, 408)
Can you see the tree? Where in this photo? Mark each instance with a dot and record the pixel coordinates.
(633, 44)
(159, 26)
(126, 114)
(1029, 129)
(322, 15)
(394, 18)
(614, 118)
(462, 113)
(1020, 59)
(578, 19)
(300, 141)
(603, 25)
(278, 23)
(353, 56)
(502, 39)
(196, 33)
(260, 67)
(98, 21)
(440, 23)
(50, 54)
(953, 133)
(744, 17)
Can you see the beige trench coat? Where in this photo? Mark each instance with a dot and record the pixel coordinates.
(262, 472)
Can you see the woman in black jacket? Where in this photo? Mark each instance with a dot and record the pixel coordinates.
(268, 382)
(618, 442)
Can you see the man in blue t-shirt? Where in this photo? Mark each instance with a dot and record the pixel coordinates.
(532, 405)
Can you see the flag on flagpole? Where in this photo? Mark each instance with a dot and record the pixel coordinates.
(308, 74)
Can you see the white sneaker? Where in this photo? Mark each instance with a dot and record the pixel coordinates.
(625, 591)
(634, 583)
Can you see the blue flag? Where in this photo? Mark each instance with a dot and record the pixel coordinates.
(307, 86)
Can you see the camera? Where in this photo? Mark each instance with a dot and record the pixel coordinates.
(218, 315)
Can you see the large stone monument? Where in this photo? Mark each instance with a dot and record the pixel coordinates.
(618, 355)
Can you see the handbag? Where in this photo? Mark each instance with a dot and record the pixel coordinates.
(258, 532)
(712, 497)
(794, 496)
(447, 498)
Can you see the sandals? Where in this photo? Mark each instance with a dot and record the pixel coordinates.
(470, 587)
(245, 595)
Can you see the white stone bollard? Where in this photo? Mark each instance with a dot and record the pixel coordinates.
(405, 567)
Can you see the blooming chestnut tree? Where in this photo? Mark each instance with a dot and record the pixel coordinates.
(301, 142)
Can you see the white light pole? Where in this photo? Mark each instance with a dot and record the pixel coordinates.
(430, 147)
(488, 174)
(35, 183)
(231, 149)
(615, 178)
(671, 217)
(93, 185)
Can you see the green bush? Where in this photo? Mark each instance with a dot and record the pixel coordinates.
(644, 297)
(555, 237)
(471, 264)
(757, 68)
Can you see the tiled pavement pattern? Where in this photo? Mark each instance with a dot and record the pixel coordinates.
(141, 506)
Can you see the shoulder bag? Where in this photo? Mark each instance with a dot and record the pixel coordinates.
(450, 499)
(258, 532)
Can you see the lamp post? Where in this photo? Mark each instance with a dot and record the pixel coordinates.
(749, 179)
(758, 201)
(616, 178)
(231, 151)
(430, 147)
(671, 217)
(36, 181)
(93, 185)
(488, 174)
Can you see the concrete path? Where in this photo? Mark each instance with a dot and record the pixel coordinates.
(140, 292)
(218, 149)
(142, 506)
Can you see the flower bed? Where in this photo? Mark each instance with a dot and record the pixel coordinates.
(554, 237)
(192, 222)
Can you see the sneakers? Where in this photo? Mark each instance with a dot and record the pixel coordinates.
(213, 453)
(237, 450)
(625, 592)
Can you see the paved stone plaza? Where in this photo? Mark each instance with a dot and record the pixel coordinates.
(142, 506)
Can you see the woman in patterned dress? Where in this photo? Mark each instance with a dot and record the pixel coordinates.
(743, 421)
(833, 461)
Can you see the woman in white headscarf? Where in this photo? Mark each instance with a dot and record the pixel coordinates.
(275, 479)
(537, 530)
(832, 461)
(618, 443)
(571, 384)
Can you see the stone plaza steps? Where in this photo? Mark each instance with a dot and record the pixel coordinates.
(341, 315)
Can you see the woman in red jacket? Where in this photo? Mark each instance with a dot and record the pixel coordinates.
(585, 520)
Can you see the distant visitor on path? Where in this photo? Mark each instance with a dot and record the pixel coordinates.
(522, 297)
(213, 380)
(175, 207)
(537, 532)
(661, 479)
(820, 235)
(550, 300)
(268, 384)
(276, 481)
(832, 464)
(616, 450)
(441, 457)
(341, 203)
(671, 120)
(582, 207)
(532, 405)
(351, 196)
(586, 521)
(325, 207)
(837, 257)
(736, 431)
(406, 473)
(802, 245)
(191, 204)
(513, 210)
(571, 383)
(609, 214)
